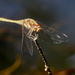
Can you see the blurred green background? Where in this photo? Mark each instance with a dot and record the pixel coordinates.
(58, 14)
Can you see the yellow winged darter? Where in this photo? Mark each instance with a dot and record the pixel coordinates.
(30, 28)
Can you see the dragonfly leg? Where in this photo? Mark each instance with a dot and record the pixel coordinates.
(31, 36)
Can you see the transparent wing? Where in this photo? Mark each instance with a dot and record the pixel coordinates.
(55, 35)
(23, 48)
(29, 45)
(26, 42)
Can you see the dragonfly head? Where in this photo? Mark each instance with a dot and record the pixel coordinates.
(37, 28)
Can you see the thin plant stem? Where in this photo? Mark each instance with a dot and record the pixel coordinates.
(43, 58)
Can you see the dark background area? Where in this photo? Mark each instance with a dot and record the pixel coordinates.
(58, 14)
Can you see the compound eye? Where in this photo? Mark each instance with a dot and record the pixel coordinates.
(38, 29)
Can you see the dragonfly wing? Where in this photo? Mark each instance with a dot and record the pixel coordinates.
(55, 35)
(26, 42)
(23, 48)
(29, 45)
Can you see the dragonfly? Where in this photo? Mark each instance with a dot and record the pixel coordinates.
(30, 26)
(30, 29)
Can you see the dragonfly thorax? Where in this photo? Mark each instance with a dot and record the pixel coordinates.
(31, 24)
